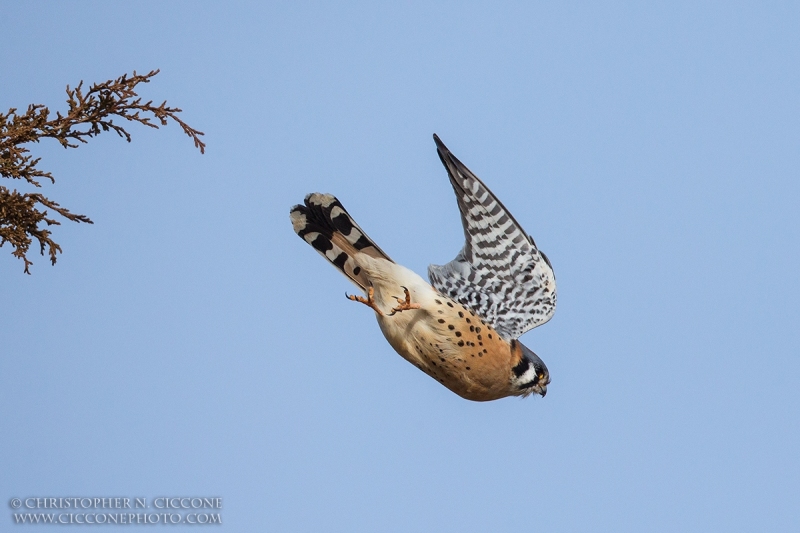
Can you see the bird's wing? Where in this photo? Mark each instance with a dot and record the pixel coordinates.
(500, 273)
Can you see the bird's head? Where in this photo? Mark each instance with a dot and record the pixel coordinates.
(530, 375)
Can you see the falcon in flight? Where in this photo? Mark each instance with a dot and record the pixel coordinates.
(462, 329)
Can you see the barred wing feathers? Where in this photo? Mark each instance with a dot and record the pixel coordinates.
(500, 273)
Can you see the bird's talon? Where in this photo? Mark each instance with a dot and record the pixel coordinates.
(405, 304)
(368, 301)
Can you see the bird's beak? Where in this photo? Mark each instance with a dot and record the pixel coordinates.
(543, 391)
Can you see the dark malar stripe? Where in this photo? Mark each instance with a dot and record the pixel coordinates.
(536, 379)
(529, 384)
(522, 367)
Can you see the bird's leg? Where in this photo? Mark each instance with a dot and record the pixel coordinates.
(368, 301)
(405, 305)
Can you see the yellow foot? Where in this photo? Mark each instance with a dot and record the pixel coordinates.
(366, 301)
(405, 305)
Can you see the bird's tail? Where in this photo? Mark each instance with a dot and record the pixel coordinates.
(325, 224)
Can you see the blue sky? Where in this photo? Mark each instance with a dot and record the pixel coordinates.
(188, 343)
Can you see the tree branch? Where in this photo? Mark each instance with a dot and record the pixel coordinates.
(88, 115)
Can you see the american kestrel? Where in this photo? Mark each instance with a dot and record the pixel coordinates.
(462, 329)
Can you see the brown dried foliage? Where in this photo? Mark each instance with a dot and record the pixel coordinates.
(22, 217)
